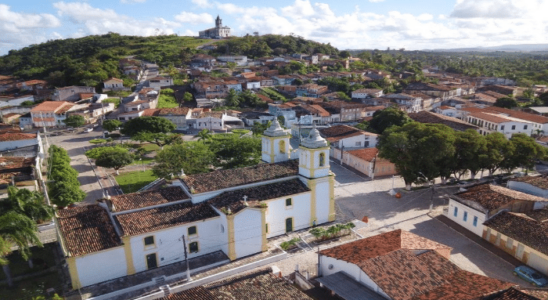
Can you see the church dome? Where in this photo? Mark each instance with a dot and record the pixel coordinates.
(275, 129)
(314, 139)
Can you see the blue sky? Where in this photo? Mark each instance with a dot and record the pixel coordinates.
(350, 24)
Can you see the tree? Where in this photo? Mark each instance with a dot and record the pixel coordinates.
(383, 119)
(111, 125)
(192, 157)
(147, 124)
(187, 97)
(160, 139)
(281, 120)
(27, 103)
(259, 128)
(298, 81)
(527, 150)
(231, 65)
(529, 93)
(232, 151)
(232, 98)
(470, 149)
(63, 186)
(204, 135)
(96, 152)
(498, 149)
(114, 160)
(544, 98)
(344, 54)
(506, 102)
(418, 150)
(28, 203)
(74, 121)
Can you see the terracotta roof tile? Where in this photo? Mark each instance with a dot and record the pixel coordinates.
(519, 114)
(515, 294)
(538, 293)
(222, 179)
(150, 112)
(153, 219)
(530, 229)
(367, 154)
(50, 106)
(538, 181)
(15, 163)
(338, 132)
(234, 199)
(178, 111)
(16, 136)
(151, 198)
(87, 229)
(493, 118)
(493, 197)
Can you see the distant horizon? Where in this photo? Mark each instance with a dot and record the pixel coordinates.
(357, 24)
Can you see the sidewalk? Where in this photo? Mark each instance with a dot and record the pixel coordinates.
(480, 241)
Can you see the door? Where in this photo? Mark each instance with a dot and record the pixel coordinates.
(151, 261)
(288, 224)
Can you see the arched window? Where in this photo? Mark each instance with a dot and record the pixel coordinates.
(322, 159)
(281, 145)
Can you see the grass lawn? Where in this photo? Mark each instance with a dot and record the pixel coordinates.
(133, 181)
(150, 147)
(116, 101)
(143, 161)
(167, 101)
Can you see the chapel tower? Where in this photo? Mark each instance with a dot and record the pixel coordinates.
(275, 144)
(218, 22)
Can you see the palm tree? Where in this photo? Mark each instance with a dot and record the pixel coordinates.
(204, 135)
(28, 203)
(16, 230)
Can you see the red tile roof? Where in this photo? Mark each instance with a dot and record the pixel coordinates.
(150, 112)
(50, 106)
(538, 181)
(339, 132)
(15, 162)
(87, 229)
(519, 114)
(489, 117)
(153, 219)
(16, 136)
(178, 111)
(367, 154)
(515, 294)
(493, 197)
(151, 198)
(222, 179)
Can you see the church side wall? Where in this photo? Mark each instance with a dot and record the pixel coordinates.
(277, 213)
(247, 232)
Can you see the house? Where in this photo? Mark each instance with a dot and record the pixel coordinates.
(436, 90)
(233, 211)
(11, 118)
(25, 121)
(239, 60)
(366, 93)
(210, 120)
(471, 208)
(14, 140)
(8, 101)
(346, 111)
(522, 235)
(177, 115)
(262, 284)
(540, 123)
(253, 83)
(210, 90)
(371, 110)
(19, 171)
(71, 93)
(501, 89)
(252, 117)
(368, 162)
(400, 265)
(412, 103)
(311, 90)
(533, 185)
(6, 83)
(50, 113)
(448, 111)
(113, 84)
(159, 82)
(203, 61)
(434, 118)
(286, 110)
(31, 85)
(283, 79)
(490, 121)
(344, 137)
(139, 105)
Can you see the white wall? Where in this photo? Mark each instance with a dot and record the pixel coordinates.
(253, 85)
(469, 223)
(169, 244)
(277, 213)
(304, 160)
(528, 189)
(16, 101)
(350, 142)
(278, 156)
(248, 232)
(10, 145)
(101, 266)
(323, 196)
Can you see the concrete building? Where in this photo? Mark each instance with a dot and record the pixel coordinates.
(217, 32)
(368, 162)
(72, 93)
(50, 113)
(240, 60)
(159, 82)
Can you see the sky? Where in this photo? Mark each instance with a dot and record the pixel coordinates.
(346, 24)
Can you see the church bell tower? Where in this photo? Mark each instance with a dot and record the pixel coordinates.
(218, 22)
(275, 144)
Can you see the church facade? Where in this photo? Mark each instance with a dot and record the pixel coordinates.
(217, 32)
(234, 211)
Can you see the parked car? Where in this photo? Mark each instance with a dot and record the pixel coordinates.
(531, 275)
(88, 129)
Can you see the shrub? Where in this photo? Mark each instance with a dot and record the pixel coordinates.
(289, 244)
(337, 230)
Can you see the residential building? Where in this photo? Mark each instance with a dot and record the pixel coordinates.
(233, 211)
(486, 81)
(344, 137)
(203, 61)
(412, 103)
(252, 117)
(113, 84)
(476, 205)
(8, 101)
(240, 60)
(159, 82)
(448, 111)
(501, 89)
(347, 111)
(434, 118)
(311, 90)
(522, 235)
(400, 265)
(366, 93)
(490, 121)
(25, 121)
(540, 123)
(11, 118)
(533, 185)
(177, 115)
(72, 93)
(126, 116)
(31, 85)
(371, 110)
(217, 32)
(210, 90)
(285, 110)
(368, 162)
(50, 113)
(14, 140)
(283, 79)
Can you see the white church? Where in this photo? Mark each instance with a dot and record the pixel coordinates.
(217, 32)
(234, 211)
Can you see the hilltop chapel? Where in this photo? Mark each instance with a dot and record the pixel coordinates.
(217, 32)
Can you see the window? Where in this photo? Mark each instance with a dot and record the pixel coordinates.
(524, 127)
(192, 230)
(456, 211)
(266, 228)
(288, 202)
(193, 247)
(322, 159)
(513, 127)
(281, 145)
(149, 240)
(502, 127)
(475, 223)
(465, 216)
(358, 144)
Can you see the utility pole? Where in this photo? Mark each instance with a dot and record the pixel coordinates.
(186, 259)
(432, 196)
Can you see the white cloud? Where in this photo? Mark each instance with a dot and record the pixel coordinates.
(188, 17)
(100, 21)
(202, 3)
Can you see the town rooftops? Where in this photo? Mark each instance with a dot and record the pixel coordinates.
(537, 181)
(177, 111)
(367, 154)
(493, 197)
(51, 106)
(16, 136)
(162, 217)
(368, 248)
(135, 103)
(530, 229)
(87, 229)
(366, 91)
(113, 79)
(150, 112)
(235, 199)
(433, 118)
(338, 132)
(145, 199)
(519, 114)
(14, 164)
(515, 294)
(222, 179)
(493, 118)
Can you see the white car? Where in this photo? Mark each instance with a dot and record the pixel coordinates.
(89, 129)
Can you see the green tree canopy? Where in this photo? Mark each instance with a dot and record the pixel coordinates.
(26, 202)
(114, 160)
(506, 102)
(98, 151)
(111, 125)
(470, 150)
(64, 187)
(391, 116)
(160, 139)
(187, 97)
(499, 149)
(74, 121)
(192, 157)
(147, 124)
(526, 151)
(233, 151)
